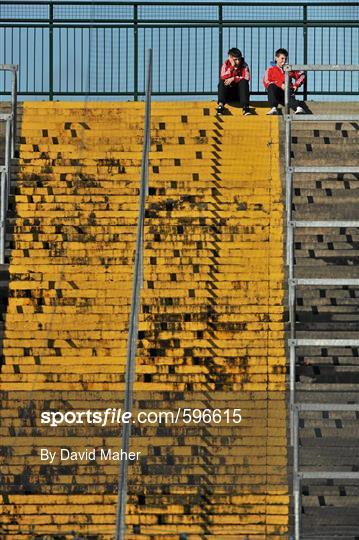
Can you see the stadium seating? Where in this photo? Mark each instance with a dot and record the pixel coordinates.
(211, 324)
(328, 439)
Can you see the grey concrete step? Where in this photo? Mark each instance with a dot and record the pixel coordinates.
(327, 374)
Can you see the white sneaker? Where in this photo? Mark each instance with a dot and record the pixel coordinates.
(299, 110)
(273, 110)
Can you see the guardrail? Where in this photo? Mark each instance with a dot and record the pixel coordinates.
(135, 309)
(294, 281)
(5, 178)
(98, 48)
(13, 69)
(10, 144)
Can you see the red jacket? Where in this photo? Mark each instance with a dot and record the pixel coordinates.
(275, 75)
(238, 72)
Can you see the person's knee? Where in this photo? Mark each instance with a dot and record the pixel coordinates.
(271, 90)
(270, 93)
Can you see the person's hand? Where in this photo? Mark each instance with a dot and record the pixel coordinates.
(283, 86)
(229, 81)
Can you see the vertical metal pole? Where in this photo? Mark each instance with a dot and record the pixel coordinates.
(2, 216)
(292, 356)
(288, 189)
(8, 161)
(290, 231)
(14, 111)
(286, 91)
(294, 421)
(296, 440)
(289, 195)
(297, 508)
(220, 36)
(148, 111)
(120, 532)
(290, 253)
(296, 480)
(135, 52)
(51, 52)
(305, 45)
(5, 187)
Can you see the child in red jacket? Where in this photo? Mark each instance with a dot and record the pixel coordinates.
(273, 81)
(234, 82)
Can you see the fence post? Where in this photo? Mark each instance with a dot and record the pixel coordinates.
(51, 52)
(14, 111)
(220, 36)
(135, 53)
(305, 48)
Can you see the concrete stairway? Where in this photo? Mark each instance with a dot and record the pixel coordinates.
(211, 324)
(329, 440)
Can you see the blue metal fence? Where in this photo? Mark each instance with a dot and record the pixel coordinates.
(69, 49)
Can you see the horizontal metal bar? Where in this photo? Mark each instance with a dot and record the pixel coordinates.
(338, 169)
(322, 67)
(329, 475)
(323, 342)
(326, 407)
(44, 22)
(324, 224)
(325, 281)
(6, 117)
(193, 4)
(109, 94)
(9, 67)
(82, 20)
(199, 23)
(109, 23)
(324, 118)
(154, 93)
(3, 169)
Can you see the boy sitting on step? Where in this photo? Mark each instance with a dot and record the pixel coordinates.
(234, 82)
(273, 81)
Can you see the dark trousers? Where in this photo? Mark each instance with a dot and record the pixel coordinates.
(276, 97)
(234, 92)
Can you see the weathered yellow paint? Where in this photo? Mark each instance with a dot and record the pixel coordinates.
(211, 325)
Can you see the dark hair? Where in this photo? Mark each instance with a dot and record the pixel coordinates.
(236, 53)
(281, 51)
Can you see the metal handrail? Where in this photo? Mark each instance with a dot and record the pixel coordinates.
(311, 67)
(135, 308)
(10, 144)
(5, 173)
(291, 224)
(13, 68)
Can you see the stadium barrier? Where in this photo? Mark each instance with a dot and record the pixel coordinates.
(98, 48)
